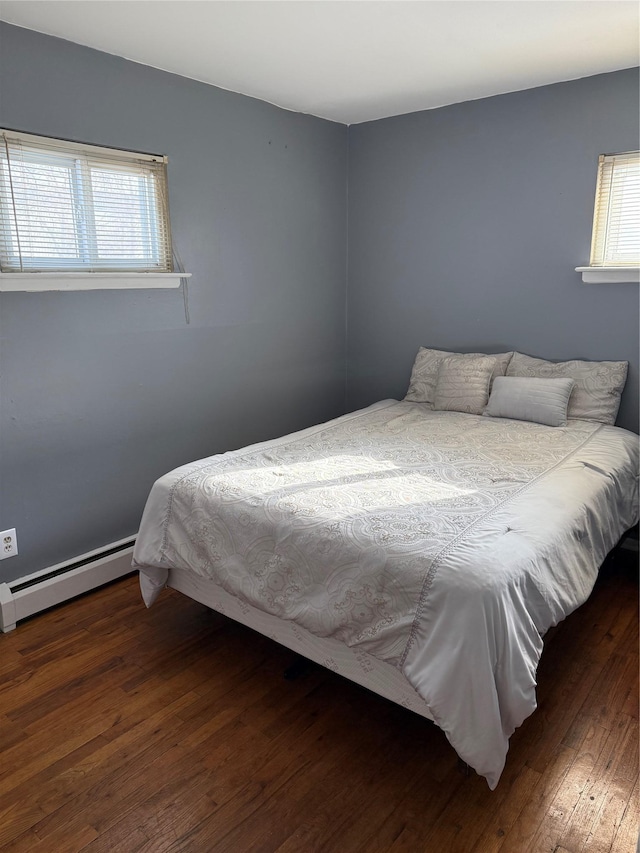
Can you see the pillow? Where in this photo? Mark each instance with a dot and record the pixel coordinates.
(463, 384)
(598, 384)
(424, 374)
(524, 398)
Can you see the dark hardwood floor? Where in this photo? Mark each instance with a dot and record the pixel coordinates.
(123, 729)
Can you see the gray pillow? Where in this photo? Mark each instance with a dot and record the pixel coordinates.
(543, 401)
(463, 384)
(424, 375)
(598, 384)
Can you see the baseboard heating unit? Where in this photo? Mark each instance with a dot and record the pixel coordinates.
(48, 587)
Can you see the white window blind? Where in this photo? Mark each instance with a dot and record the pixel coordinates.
(616, 222)
(70, 207)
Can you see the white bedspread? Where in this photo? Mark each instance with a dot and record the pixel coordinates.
(443, 543)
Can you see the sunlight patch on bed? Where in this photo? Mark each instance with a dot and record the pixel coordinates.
(338, 486)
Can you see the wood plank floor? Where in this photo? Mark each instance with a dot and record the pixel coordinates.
(123, 729)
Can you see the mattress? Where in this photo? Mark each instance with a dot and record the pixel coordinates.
(440, 543)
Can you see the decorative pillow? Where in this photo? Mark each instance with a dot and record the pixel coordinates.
(424, 374)
(598, 384)
(524, 398)
(463, 384)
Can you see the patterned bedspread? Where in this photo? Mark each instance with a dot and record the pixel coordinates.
(445, 544)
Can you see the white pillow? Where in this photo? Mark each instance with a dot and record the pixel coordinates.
(424, 375)
(463, 384)
(598, 384)
(543, 401)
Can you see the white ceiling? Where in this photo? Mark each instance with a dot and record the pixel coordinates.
(353, 60)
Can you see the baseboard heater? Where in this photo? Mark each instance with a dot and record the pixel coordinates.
(48, 587)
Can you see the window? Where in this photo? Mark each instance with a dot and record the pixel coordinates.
(68, 208)
(616, 221)
(615, 242)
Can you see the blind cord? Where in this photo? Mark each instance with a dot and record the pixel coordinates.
(185, 299)
(184, 284)
(13, 200)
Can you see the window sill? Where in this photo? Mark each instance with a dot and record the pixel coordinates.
(609, 275)
(41, 281)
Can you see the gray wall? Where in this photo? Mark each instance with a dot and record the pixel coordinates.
(102, 392)
(466, 224)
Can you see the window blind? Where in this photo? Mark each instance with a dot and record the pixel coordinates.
(616, 222)
(66, 206)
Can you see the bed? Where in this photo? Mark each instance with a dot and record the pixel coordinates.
(421, 547)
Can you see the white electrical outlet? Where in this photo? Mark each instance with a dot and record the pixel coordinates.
(8, 543)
